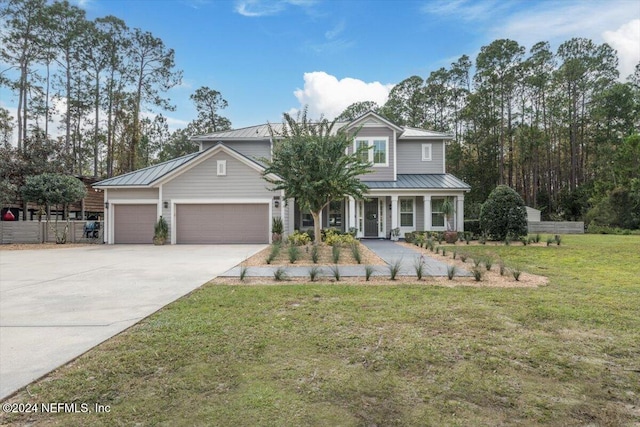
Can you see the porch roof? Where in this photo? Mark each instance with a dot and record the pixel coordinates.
(440, 181)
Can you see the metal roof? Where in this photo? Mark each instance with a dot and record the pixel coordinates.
(261, 132)
(148, 175)
(443, 181)
(410, 133)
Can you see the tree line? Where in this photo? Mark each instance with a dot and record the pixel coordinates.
(107, 81)
(558, 127)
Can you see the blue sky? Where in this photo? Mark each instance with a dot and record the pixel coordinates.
(269, 57)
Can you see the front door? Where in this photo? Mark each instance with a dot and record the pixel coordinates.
(371, 218)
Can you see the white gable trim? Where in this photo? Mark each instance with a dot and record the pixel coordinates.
(376, 117)
(207, 155)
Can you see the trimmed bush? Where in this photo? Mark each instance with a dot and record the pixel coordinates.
(472, 226)
(503, 214)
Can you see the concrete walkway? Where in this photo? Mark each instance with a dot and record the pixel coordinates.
(389, 251)
(408, 258)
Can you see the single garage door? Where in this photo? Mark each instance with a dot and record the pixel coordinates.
(223, 223)
(134, 223)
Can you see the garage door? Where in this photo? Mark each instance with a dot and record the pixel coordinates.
(134, 223)
(228, 223)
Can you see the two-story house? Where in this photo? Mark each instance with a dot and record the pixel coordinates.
(218, 195)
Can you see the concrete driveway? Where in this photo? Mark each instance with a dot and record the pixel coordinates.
(56, 304)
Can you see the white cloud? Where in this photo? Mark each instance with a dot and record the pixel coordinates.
(626, 40)
(465, 9)
(335, 31)
(325, 95)
(256, 8)
(616, 22)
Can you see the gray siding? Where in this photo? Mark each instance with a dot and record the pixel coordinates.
(202, 182)
(132, 193)
(379, 173)
(410, 157)
(252, 149)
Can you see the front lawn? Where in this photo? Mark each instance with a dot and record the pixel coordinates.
(564, 354)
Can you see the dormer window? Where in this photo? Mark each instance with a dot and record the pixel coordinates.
(377, 150)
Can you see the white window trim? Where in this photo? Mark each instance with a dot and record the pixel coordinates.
(437, 227)
(221, 168)
(370, 143)
(430, 156)
(407, 228)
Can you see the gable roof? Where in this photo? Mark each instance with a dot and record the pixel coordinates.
(144, 177)
(157, 174)
(261, 132)
(377, 117)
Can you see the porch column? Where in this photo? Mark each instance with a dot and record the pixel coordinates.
(460, 212)
(427, 212)
(352, 214)
(394, 212)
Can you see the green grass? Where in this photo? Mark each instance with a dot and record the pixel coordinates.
(567, 354)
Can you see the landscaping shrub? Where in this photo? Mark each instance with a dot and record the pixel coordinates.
(488, 262)
(280, 274)
(335, 254)
(335, 270)
(243, 272)
(503, 214)
(451, 272)
(294, 253)
(313, 273)
(516, 273)
(355, 251)
(410, 237)
(368, 271)
(472, 226)
(299, 239)
(419, 267)
(273, 253)
(394, 269)
(333, 238)
(315, 254)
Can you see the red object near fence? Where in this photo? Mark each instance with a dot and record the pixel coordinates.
(8, 216)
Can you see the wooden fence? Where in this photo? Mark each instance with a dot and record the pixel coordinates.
(557, 227)
(43, 231)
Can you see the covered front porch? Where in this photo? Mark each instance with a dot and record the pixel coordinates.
(381, 212)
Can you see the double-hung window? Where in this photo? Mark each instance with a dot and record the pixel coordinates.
(406, 212)
(377, 150)
(437, 216)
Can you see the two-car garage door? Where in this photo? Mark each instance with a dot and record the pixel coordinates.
(222, 223)
(195, 223)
